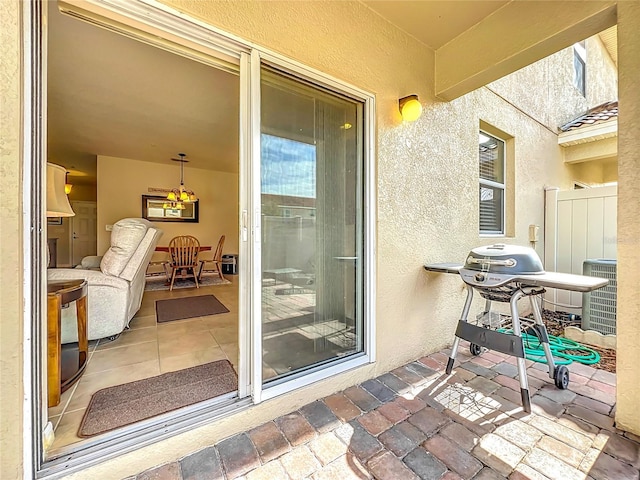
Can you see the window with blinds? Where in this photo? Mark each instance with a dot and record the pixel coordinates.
(492, 184)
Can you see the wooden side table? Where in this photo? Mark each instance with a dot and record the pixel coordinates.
(65, 366)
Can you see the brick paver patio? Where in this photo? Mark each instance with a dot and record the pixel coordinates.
(416, 422)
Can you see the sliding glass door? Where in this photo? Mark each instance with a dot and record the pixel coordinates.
(311, 198)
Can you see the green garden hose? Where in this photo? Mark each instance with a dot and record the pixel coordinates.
(563, 350)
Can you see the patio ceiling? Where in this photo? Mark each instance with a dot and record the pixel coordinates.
(435, 23)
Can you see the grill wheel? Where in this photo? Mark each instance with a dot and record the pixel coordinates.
(561, 377)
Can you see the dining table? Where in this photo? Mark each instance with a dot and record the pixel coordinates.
(203, 248)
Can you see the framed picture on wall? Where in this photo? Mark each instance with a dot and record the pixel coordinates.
(54, 221)
(154, 211)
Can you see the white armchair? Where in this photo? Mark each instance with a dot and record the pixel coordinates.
(116, 287)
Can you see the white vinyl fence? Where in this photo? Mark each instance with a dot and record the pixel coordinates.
(579, 225)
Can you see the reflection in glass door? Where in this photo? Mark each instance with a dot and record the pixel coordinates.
(312, 221)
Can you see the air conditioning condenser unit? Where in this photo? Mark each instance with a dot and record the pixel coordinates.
(599, 306)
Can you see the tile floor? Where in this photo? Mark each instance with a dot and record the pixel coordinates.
(148, 349)
(416, 422)
(293, 339)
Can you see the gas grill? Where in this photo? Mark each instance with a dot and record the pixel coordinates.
(507, 273)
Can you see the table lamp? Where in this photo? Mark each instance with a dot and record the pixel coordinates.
(57, 200)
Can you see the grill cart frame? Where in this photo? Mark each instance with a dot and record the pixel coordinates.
(507, 273)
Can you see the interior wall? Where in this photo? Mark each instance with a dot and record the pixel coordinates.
(88, 193)
(120, 196)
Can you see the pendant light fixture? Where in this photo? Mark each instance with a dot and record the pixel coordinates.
(181, 195)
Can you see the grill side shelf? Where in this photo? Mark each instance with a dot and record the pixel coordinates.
(563, 281)
(443, 267)
(500, 342)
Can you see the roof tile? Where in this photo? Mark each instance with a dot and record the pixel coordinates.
(601, 113)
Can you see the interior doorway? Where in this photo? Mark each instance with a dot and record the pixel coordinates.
(84, 229)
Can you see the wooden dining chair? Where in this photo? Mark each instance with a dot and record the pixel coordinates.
(183, 255)
(158, 267)
(216, 260)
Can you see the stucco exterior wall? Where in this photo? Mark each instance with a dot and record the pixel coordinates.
(11, 313)
(628, 312)
(602, 74)
(610, 171)
(545, 89)
(595, 172)
(427, 195)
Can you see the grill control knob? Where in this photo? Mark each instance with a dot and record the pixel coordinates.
(480, 277)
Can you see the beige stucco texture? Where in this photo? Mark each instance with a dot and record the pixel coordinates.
(11, 293)
(503, 43)
(628, 391)
(426, 182)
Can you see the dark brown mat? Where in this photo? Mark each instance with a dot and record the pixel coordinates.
(115, 407)
(188, 307)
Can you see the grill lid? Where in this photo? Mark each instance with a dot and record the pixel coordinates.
(504, 259)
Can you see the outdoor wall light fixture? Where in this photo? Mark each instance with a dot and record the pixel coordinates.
(410, 108)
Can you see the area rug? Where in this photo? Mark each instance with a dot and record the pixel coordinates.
(188, 307)
(159, 282)
(115, 407)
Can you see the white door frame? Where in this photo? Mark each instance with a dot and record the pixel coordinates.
(255, 245)
(317, 373)
(72, 228)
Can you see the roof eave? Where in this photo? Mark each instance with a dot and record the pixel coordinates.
(590, 133)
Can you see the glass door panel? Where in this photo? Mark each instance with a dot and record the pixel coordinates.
(311, 248)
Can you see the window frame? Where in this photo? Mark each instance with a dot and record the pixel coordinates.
(580, 59)
(482, 182)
